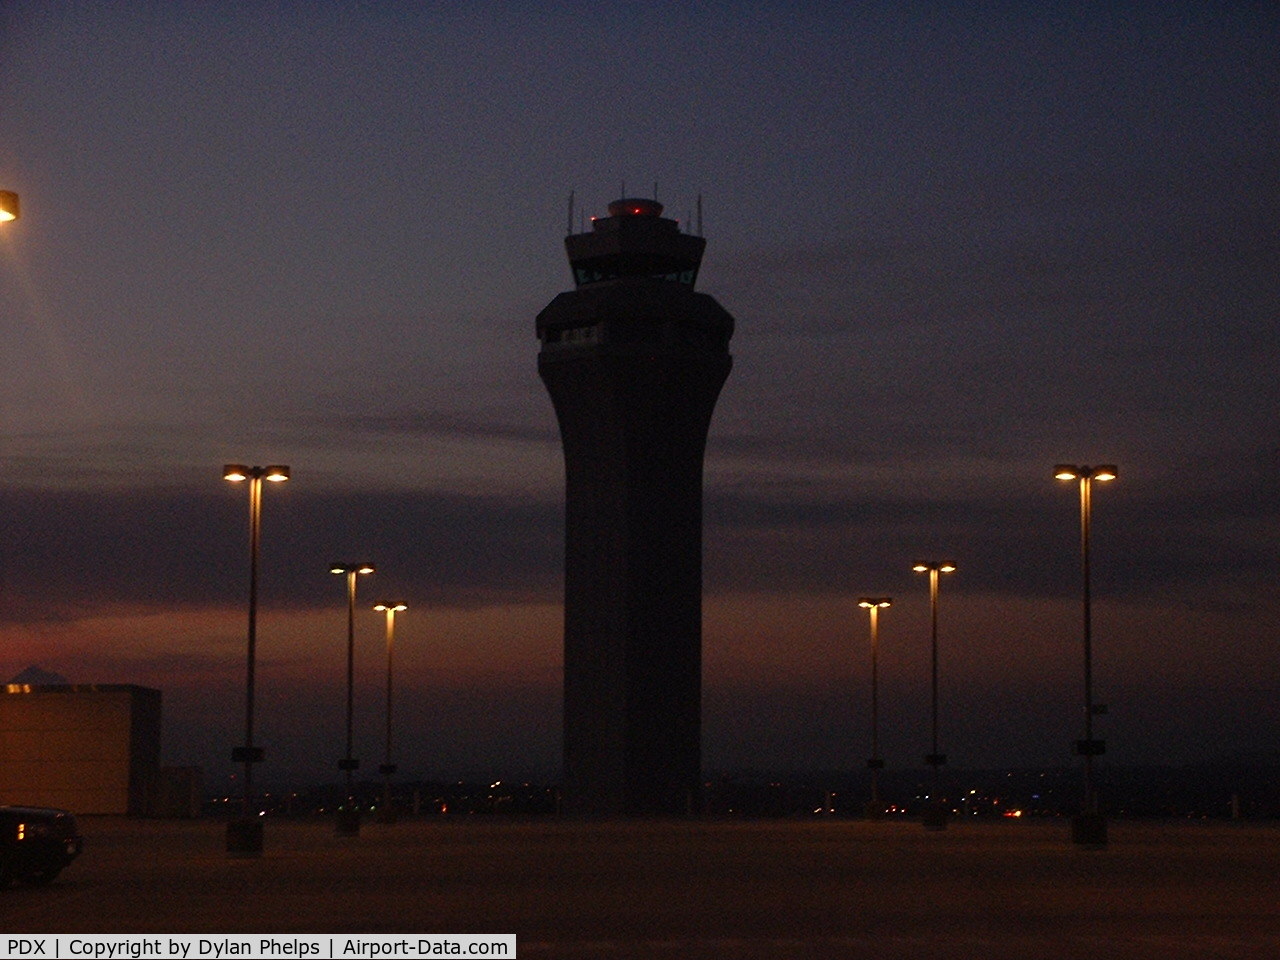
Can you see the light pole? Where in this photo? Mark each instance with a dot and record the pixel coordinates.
(386, 814)
(1090, 827)
(244, 836)
(349, 813)
(873, 606)
(9, 209)
(935, 816)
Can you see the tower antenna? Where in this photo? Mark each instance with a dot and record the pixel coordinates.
(569, 227)
(699, 214)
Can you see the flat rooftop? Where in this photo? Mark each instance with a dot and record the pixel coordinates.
(821, 888)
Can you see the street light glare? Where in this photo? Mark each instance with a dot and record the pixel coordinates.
(1068, 471)
(339, 566)
(940, 567)
(238, 473)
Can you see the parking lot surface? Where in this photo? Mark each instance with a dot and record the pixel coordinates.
(723, 889)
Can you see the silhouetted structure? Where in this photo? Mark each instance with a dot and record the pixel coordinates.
(634, 360)
(90, 748)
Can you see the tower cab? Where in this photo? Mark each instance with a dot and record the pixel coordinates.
(634, 240)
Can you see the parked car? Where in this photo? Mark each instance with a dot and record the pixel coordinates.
(36, 843)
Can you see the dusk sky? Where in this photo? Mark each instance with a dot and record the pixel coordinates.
(962, 242)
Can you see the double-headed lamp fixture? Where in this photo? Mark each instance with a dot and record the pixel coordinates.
(351, 568)
(940, 567)
(238, 473)
(869, 602)
(1068, 471)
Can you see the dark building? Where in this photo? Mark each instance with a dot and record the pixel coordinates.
(634, 360)
(87, 748)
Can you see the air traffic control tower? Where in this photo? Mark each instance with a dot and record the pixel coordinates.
(634, 360)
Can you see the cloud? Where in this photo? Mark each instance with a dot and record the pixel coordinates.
(66, 553)
(1017, 536)
(440, 423)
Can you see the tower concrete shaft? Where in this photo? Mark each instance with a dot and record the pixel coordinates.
(634, 360)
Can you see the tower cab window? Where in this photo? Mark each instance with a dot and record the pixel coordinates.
(597, 272)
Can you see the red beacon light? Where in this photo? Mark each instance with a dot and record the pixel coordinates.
(635, 207)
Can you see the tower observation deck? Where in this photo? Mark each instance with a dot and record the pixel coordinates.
(634, 360)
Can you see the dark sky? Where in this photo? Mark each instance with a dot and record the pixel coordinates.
(963, 242)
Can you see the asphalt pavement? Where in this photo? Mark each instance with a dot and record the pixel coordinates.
(821, 888)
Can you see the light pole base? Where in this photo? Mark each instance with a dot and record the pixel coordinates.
(935, 817)
(348, 822)
(244, 837)
(873, 810)
(1089, 830)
